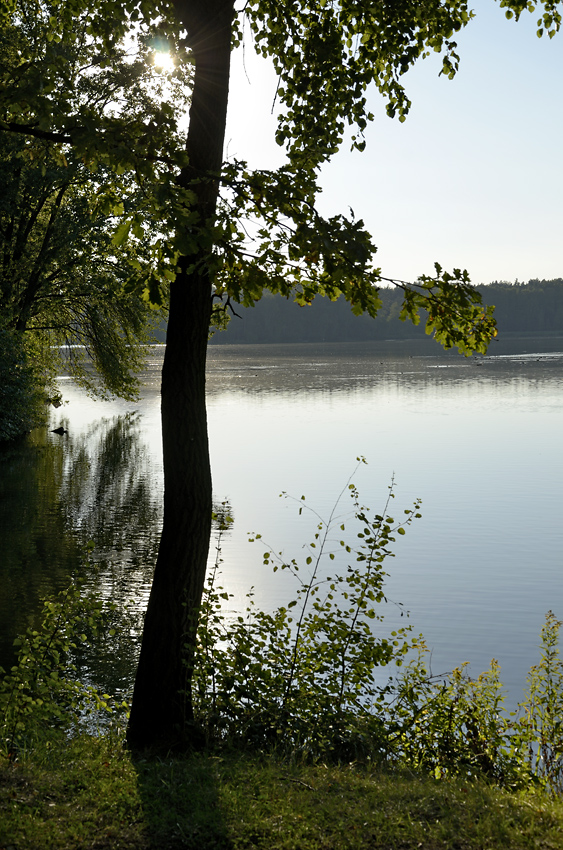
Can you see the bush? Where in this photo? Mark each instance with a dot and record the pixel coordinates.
(539, 725)
(306, 678)
(41, 696)
(454, 725)
(22, 397)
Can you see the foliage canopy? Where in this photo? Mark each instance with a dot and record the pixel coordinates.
(63, 279)
(326, 56)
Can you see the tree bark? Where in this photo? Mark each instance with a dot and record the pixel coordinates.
(161, 712)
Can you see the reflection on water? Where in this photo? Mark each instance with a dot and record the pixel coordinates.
(58, 493)
(478, 439)
(351, 367)
(36, 555)
(107, 492)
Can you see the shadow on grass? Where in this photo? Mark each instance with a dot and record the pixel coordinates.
(235, 801)
(92, 794)
(180, 803)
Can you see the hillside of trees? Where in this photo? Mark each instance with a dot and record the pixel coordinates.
(536, 306)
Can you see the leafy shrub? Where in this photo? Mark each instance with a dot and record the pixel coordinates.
(450, 725)
(305, 678)
(22, 396)
(539, 725)
(40, 697)
(454, 725)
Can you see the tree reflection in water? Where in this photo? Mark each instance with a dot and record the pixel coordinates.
(58, 493)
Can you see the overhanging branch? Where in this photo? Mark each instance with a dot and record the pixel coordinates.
(65, 138)
(36, 132)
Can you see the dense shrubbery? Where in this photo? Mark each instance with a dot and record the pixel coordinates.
(316, 679)
(301, 678)
(455, 726)
(22, 399)
(42, 696)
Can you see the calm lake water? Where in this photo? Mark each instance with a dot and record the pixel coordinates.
(478, 440)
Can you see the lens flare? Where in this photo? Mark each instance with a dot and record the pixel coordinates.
(163, 61)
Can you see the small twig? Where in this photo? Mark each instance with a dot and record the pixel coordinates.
(225, 305)
(299, 782)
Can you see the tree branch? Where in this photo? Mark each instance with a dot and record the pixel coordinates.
(31, 130)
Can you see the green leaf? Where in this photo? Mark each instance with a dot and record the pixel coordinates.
(121, 234)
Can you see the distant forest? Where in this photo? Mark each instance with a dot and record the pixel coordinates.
(536, 306)
(533, 307)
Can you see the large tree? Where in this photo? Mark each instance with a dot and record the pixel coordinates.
(326, 54)
(66, 290)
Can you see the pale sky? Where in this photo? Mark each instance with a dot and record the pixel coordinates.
(472, 179)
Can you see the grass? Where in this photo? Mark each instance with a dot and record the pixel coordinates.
(91, 793)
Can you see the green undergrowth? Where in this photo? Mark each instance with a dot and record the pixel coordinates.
(92, 793)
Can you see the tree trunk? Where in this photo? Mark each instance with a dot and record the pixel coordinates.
(161, 712)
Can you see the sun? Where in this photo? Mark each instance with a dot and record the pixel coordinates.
(164, 61)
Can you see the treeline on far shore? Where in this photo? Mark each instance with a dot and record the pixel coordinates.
(536, 306)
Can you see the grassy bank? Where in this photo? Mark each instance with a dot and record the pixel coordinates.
(91, 793)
